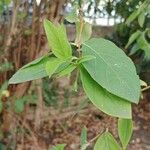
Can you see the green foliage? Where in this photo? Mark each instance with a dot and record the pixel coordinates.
(3, 87)
(6, 66)
(72, 17)
(115, 82)
(108, 76)
(83, 32)
(19, 106)
(31, 71)
(50, 93)
(3, 4)
(102, 99)
(59, 147)
(144, 45)
(86, 58)
(83, 29)
(57, 39)
(141, 19)
(140, 43)
(133, 37)
(139, 39)
(52, 66)
(106, 142)
(7, 2)
(125, 128)
(1, 106)
(111, 68)
(139, 13)
(83, 138)
(20, 103)
(133, 16)
(67, 70)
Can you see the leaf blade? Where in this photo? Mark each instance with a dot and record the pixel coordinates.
(132, 17)
(141, 19)
(52, 66)
(112, 69)
(30, 72)
(125, 128)
(57, 40)
(132, 38)
(106, 142)
(102, 99)
(83, 136)
(66, 71)
(72, 17)
(59, 147)
(83, 32)
(85, 58)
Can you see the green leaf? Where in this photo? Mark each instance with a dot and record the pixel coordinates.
(112, 69)
(133, 37)
(72, 17)
(35, 62)
(5, 66)
(148, 9)
(83, 33)
(142, 42)
(1, 106)
(134, 49)
(19, 106)
(132, 17)
(57, 40)
(144, 45)
(75, 83)
(102, 99)
(4, 86)
(52, 66)
(83, 138)
(86, 58)
(106, 142)
(59, 147)
(148, 32)
(125, 128)
(66, 71)
(141, 19)
(31, 71)
(7, 2)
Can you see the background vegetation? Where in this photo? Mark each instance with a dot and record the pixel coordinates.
(35, 114)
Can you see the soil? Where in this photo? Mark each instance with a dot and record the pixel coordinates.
(64, 124)
(141, 115)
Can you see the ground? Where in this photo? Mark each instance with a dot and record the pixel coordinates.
(65, 125)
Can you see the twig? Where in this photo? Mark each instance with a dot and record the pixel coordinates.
(146, 88)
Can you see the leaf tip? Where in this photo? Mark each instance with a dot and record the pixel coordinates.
(11, 81)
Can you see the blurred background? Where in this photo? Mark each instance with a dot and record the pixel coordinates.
(39, 114)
